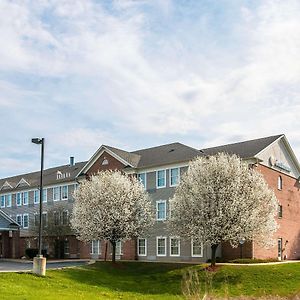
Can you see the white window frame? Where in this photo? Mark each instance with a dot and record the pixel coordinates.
(62, 217)
(139, 254)
(20, 204)
(279, 183)
(25, 215)
(161, 238)
(20, 216)
(61, 191)
(45, 195)
(170, 248)
(192, 250)
(4, 200)
(121, 248)
(23, 198)
(36, 196)
(98, 248)
(9, 196)
(165, 172)
(145, 185)
(54, 188)
(43, 223)
(157, 203)
(170, 181)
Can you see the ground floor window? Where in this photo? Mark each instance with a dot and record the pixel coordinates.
(197, 249)
(142, 247)
(161, 246)
(174, 246)
(66, 247)
(95, 247)
(119, 248)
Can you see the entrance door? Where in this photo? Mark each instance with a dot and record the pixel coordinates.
(280, 249)
(59, 249)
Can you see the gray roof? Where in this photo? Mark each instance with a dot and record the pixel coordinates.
(6, 222)
(49, 177)
(165, 154)
(246, 149)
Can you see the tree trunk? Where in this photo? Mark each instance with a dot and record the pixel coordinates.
(213, 254)
(113, 258)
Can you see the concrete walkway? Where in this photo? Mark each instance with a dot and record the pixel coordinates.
(260, 264)
(19, 265)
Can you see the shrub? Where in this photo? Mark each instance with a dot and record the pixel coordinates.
(218, 260)
(32, 252)
(252, 260)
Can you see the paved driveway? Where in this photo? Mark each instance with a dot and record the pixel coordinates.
(21, 266)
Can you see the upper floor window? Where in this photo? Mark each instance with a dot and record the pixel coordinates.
(174, 176)
(25, 198)
(8, 200)
(142, 179)
(56, 193)
(279, 183)
(65, 217)
(161, 178)
(44, 219)
(64, 192)
(3, 197)
(161, 210)
(25, 221)
(19, 199)
(36, 196)
(44, 195)
(279, 211)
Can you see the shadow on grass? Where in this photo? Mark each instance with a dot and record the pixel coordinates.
(137, 277)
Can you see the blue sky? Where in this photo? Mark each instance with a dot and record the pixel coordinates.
(134, 74)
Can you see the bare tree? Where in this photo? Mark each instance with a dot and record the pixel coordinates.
(221, 199)
(113, 207)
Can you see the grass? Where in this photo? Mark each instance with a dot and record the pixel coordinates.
(137, 280)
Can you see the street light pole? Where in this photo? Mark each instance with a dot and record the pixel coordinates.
(39, 263)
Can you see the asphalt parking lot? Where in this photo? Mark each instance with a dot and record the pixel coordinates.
(22, 266)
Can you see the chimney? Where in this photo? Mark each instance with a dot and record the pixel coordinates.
(72, 161)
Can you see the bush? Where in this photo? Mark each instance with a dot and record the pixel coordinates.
(32, 252)
(252, 260)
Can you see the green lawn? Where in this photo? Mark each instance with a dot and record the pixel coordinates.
(136, 280)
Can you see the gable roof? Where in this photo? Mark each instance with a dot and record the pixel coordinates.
(246, 149)
(7, 223)
(49, 177)
(166, 154)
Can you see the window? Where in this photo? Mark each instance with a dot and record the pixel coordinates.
(56, 218)
(56, 193)
(161, 179)
(44, 195)
(66, 247)
(161, 210)
(36, 219)
(142, 179)
(65, 217)
(161, 246)
(174, 247)
(25, 221)
(8, 200)
(279, 211)
(19, 199)
(64, 192)
(119, 248)
(174, 176)
(3, 201)
(44, 219)
(19, 219)
(142, 247)
(95, 247)
(25, 198)
(197, 249)
(279, 183)
(36, 196)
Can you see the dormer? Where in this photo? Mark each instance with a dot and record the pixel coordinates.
(60, 175)
(6, 185)
(22, 182)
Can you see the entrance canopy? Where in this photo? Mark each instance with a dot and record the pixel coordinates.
(7, 223)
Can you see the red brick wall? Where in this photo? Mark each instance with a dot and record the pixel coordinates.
(289, 230)
(231, 253)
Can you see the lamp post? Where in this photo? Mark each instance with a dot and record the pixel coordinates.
(39, 262)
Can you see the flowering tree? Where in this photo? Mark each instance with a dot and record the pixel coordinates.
(111, 206)
(221, 199)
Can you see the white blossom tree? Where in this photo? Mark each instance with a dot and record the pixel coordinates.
(221, 199)
(113, 207)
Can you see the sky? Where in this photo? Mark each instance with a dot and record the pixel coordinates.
(139, 73)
